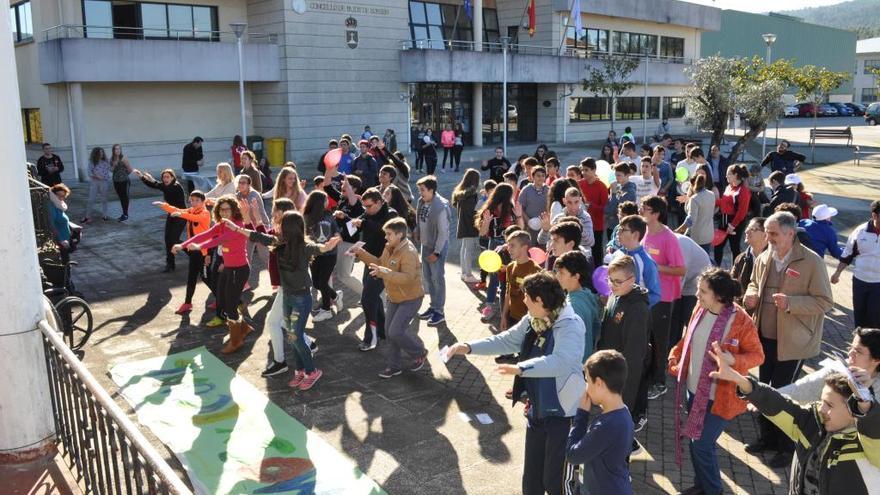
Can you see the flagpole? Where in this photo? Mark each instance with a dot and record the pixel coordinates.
(565, 29)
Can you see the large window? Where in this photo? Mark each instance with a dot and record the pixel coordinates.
(673, 107)
(672, 47)
(20, 22)
(634, 43)
(33, 126)
(871, 64)
(632, 108)
(433, 24)
(124, 19)
(869, 95)
(589, 109)
(594, 40)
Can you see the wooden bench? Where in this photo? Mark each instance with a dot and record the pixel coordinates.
(860, 155)
(831, 134)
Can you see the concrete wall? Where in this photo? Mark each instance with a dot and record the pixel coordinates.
(805, 44)
(270, 100)
(70, 60)
(656, 12)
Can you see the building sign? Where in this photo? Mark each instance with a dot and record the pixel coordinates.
(345, 8)
(351, 33)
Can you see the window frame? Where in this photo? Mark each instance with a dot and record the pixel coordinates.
(641, 41)
(214, 34)
(15, 19)
(598, 101)
(669, 102)
(870, 64)
(870, 95)
(463, 31)
(30, 136)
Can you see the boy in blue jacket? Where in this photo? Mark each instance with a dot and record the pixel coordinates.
(630, 234)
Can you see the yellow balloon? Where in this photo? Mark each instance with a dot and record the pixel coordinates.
(490, 261)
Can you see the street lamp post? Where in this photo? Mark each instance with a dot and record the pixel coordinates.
(505, 42)
(769, 38)
(238, 28)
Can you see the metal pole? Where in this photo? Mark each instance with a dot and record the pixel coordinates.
(764, 133)
(645, 106)
(241, 90)
(504, 41)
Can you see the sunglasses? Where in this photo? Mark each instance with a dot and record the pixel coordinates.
(618, 283)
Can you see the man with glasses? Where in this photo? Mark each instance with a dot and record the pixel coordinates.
(783, 159)
(626, 329)
(376, 213)
(629, 234)
(789, 292)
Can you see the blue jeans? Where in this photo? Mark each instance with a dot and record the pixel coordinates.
(704, 455)
(297, 308)
(433, 278)
(371, 301)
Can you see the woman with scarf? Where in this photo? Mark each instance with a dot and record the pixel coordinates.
(710, 403)
(734, 207)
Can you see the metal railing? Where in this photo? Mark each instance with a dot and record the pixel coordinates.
(101, 446)
(64, 31)
(529, 49)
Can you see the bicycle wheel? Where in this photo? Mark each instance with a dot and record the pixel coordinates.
(76, 320)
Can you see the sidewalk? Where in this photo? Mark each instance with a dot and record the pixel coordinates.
(44, 477)
(405, 433)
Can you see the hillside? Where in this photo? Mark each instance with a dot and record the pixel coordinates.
(860, 16)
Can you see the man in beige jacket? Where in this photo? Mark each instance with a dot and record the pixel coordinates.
(789, 293)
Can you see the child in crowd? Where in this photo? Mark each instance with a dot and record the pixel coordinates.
(510, 178)
(648, 182)
(595, 198)
(515, 272)
(575, 274)
(630, 234)
(198, 220)
(464, 200)
(626, 329)
(602, 444)
(488, 187)
(552, 166)
(624, 209)
(622, 190)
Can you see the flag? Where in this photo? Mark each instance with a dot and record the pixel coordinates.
(532, 21)
(576, 15)
(469, 9)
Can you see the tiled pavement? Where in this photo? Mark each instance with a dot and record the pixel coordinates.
(405, 433)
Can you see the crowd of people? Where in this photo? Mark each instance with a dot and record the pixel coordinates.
(606, 284)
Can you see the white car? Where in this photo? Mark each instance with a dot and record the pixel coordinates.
(792, 111)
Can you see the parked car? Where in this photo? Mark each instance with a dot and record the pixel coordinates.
(842, 110)
(857, 108)
(826, 110)
(792, 111)
(806, 109)
(872, 113)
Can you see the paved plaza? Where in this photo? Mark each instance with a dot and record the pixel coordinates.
(407, 433)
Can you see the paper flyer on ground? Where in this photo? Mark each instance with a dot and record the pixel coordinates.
(227, 434)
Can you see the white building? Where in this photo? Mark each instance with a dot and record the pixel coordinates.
(151, 76)
(864, 82)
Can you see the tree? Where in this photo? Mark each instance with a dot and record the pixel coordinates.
(814, 84)
(611, 79)
(722, 86)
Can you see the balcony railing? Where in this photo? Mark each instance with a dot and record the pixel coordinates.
(529, 49)
(64, 31)
(100, 445)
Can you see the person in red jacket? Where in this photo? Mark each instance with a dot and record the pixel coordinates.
(734, 206)
(596, 197)
(236, 150)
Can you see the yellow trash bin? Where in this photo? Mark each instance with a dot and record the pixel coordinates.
(275, 151)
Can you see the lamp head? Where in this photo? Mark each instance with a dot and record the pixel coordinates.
(238, 28)
(769, 38)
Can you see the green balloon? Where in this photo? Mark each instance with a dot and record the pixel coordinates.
(681, 174)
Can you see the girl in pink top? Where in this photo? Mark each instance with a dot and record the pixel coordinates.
(447, 140)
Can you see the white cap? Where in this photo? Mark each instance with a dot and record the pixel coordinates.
(824, 212)
(792, 179)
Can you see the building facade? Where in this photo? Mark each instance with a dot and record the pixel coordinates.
(150, 76)
(741, 35)
(866, 84)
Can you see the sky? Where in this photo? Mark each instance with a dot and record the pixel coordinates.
(765, 6)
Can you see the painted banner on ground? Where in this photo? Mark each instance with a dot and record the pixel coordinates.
(227, 434)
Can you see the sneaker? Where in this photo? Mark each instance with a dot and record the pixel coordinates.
(488, 313)
(184, 309)
(656, 391)
(297, 379)
(367, 346)
(323, 315)
(389, 373)
(470, 280)
(480, 286)
(419, 363)
(436, 319)
(310, 379)
(313, 347)
(275, 368)
(506, 359)
(759, 447)
(637, 448)
(85, 220)
(426, 315)
(640, 424)
(337, 303)
(215, 322)
(247, 287)
(122, 218)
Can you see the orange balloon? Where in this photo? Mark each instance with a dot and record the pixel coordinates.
(331, 159)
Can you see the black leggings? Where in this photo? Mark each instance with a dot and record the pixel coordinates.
(448, 152)
(735, 240)
(420, 160)
(322, 268)
(173, 230)
(122, 189)
(196, 271)
(230, 283)
(431, 162)
(456, 155)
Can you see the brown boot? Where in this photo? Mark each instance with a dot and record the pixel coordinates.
(245, 329)
(235, 340)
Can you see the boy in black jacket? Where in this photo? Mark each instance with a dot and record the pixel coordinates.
(626, 329)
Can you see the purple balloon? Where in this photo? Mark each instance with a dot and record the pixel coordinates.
(600, 281)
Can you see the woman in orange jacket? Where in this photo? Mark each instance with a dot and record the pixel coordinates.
(198, 220)
(711, 404)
